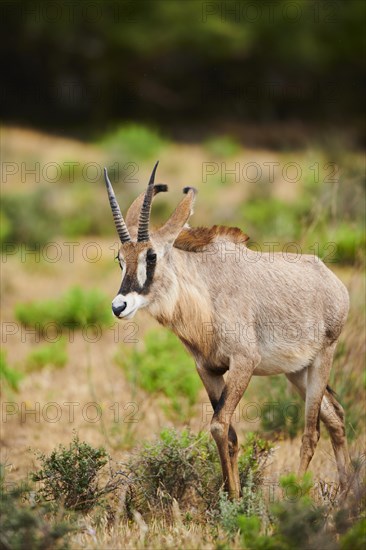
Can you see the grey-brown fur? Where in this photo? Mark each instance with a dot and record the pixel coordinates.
(243, 313)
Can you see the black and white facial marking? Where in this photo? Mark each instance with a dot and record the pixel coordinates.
(138, 268)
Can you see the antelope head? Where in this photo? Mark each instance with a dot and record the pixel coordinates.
(144, 255)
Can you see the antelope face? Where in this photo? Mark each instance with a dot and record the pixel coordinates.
(138, 264)
(139, 258)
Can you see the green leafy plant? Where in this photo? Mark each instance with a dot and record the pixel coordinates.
(349, 391)
(71, 475)
(297, 521)
(281, 407)
(355, 538)
(164, 367)
(222, 147)
(5, 227)
(134, 142)
(76, 308)
(272, 218)
(178, 465)
(30, 217)
(24, 524)
(185, 467)
(53, 354)
(8, 375)
(253, 458)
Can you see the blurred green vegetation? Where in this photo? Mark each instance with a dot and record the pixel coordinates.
(29, 217)
(38, 216)
(9, 376)
(222, 147)
(345, 379)
(163, 366)
(134, 141)
(282, 409)
(53, 354)
(185, 466)
(183, 65)
(324, 216)
(77, 308)
(25, 524)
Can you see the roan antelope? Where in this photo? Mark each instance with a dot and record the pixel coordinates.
(238, 313)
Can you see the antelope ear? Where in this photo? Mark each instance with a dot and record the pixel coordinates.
(133, 213)
(171, 229)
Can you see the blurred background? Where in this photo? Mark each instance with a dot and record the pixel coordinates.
(271, 72)
(260, 105)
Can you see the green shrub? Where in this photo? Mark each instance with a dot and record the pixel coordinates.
(26, 525)
(350, 243)
(355, 538)
(163, 366)
(250, 529)
(71, 476)
(345, 381)
(30, 217)
(77, 308)
(297, 521)
(179, 465)
(84, 212)
(134, 142)
(8, 375)
(282, 409)
(254, 456)
(5, 227)
(186, 467)
(273, 219)
(222, 147)
(53, 354)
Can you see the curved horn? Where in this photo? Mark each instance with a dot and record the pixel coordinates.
(116, 211)
(144, 219)
(132, 216)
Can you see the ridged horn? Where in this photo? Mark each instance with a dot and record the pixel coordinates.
(116, 211)
(144, 219)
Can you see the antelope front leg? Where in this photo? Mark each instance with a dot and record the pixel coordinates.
(214, 383)
(238, 377)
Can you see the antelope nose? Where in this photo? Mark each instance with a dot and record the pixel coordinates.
(118, 310)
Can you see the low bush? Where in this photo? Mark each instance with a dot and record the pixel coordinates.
(72, 476)
(350, 388)
(134, 142)
(77, 308)
(53, 354)
(30, 217)
(282, 409)
(163, 366)
(180, 466)
(25, 524)
(297, 521)
(9, 376)
(271, 219)
(222, 147)
(185, 467)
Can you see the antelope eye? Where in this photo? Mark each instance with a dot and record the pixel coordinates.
(151, 257)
